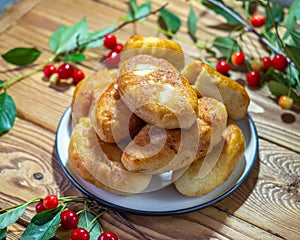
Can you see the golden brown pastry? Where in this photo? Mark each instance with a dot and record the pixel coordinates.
(112, 119)
(99, 162)
(211, 83)
(88, 91)
(156, 92)
(157, 150)
(214, 114)
(154, 46)
(191, 184)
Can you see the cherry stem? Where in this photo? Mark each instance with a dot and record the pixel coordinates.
(6, 84)
(11, 81)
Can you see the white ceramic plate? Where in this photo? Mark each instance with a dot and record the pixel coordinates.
(166, 201)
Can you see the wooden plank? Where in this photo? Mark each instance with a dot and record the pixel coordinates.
(28, 156)
(273, 123)
(269, 198)
(15, 231)
(208, 223)
(28, 151)
(16, 12)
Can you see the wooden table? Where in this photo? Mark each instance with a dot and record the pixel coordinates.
(265, 206)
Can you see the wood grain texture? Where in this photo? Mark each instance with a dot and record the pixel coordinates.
(265, 206)
(30, 167)
(270, 196)
(15, 231)
(16, 12)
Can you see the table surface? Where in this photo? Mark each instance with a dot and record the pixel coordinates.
(265, 206)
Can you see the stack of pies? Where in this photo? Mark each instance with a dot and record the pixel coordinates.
(156, 115)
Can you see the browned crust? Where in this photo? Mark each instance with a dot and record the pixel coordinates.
(191, 184)
(233, 95)
(147, 42)
(161, 96)
(157, 47)
(99, 163)
(150, 156)
(113, 121)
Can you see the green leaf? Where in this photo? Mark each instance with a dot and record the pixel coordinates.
(70, 38)
(143, 10)
(1, 84)
(293, 76)
(133, 7)
(88, 221)
(3, 233)
(99, 35)
(172, 22)
(290, 26)
(138, 11)
(43, 225)
(226, 45)
(295, 36)
(293, 52)
(8, 113)
(11, 216)
(294, 12)
(54, 40)
(271, 74)
(21, 56)
(74, 57)
(133, 10)
(277, 12)
(278, 89)
(192, 22)
(230, 19)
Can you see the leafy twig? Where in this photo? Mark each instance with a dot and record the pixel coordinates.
(247, 25)
(128, 22)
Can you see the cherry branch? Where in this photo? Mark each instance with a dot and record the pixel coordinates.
(123, 24)
(11, 81)
(247, 25)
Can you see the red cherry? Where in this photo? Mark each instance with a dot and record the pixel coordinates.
(118, 48)
(65, 71)
(80, 234)
(112, 59)
(39, 207)
(108, 236)
(69, 219)
(223, 67)
(267, 63)
(257, 20)
(253, 78)
(51, 201)
(78, 75)
(238, 58)
(285, 102)
(279, 62)
(49, 70)
(110, 41)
